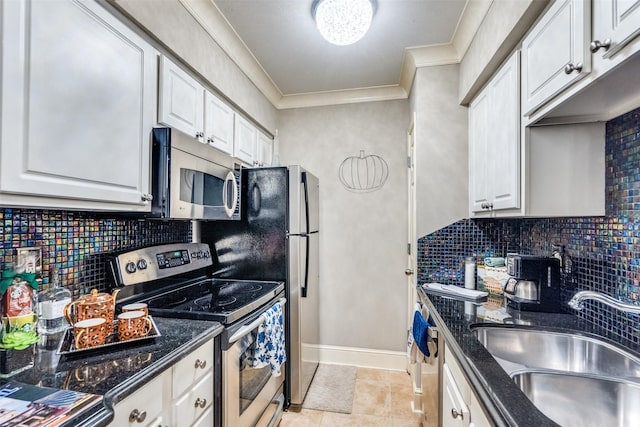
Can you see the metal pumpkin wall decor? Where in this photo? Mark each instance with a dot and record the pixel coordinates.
(363, 173)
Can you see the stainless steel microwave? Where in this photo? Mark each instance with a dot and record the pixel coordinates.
(189, 183)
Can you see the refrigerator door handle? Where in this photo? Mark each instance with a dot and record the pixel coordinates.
(305, 187)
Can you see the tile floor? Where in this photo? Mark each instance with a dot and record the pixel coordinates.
(381, 398)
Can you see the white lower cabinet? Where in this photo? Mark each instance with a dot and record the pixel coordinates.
(206, 420)
(460, 407)
(455, 411)
(192, 386)
(78, 102)
(181, 396)
(189, 407)
(144, 407)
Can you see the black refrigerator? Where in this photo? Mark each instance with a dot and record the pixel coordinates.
(278, 239)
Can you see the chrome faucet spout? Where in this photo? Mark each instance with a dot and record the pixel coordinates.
(577, 302)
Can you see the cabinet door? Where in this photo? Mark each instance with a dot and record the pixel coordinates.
(78, 105)
(193, 367)
(265, 150)
(218, 123)
(144, 405)
(616, 20)
(560, 39)
(479, 152)
(455, 412)
(181, 100)
(503, 144)
(494, 142)
(194, 403)
(245, 140)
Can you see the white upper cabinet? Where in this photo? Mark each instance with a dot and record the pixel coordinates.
(245, 141)
(615, 24)
(181, 100)
(555, 54)
(218, 123)
(78, 105)
(494, 141)
(265, 150)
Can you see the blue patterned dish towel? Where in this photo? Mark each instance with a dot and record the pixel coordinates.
(270, 344)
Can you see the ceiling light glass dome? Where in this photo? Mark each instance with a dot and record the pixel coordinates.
(343, 22)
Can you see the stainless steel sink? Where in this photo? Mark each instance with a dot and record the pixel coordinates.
(516, 349)
(581, 401)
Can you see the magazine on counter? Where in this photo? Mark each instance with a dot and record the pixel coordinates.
(28, 405)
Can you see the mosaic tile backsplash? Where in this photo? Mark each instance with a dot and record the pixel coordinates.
(77, 242)
(602, 253)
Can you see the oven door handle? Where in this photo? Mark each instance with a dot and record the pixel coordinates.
(246, 329)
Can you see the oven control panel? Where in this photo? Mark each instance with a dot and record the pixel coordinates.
(158, 262)
(172, 259)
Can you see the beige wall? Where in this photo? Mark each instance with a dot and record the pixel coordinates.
(501, 30)
(172, 24)
(363, 235)
(441, 149)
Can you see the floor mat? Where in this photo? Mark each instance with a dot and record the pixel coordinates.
(332, 389)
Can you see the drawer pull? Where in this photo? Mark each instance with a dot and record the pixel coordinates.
(137, 416)
(455, 414)
(200, 403)
(201, 363)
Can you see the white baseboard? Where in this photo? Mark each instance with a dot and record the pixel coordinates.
(361, 357)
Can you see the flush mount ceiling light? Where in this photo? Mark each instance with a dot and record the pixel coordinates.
(343, 22)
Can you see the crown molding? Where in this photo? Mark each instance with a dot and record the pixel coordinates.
(207, 14)
(211, 19)
(348, 96)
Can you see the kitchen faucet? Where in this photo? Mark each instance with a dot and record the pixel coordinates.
(577, 302)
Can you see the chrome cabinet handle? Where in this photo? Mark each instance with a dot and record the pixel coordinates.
(486, 205)
(200, 363)
(210, 140)
(199, 134)
(146, 197)
(137, 416)
(200, 403)
(570, 68)
(408, 272)
(455, 414)
(596, 45)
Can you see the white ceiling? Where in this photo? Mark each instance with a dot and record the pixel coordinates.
(278, 46)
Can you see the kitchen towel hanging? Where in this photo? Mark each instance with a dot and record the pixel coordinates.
(422, 347)
(270, 344)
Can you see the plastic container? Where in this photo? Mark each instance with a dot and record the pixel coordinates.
(470, 272)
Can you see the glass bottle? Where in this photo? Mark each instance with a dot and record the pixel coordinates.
(51, 303)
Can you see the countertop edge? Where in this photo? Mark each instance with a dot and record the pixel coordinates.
(497, 416)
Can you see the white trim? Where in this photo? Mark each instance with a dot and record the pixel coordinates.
(349, 96)
(213, 21)
(360, 357)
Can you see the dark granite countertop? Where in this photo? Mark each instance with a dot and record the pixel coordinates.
(504, 403)
(114, 372)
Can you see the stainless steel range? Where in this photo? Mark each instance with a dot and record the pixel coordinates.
(172, 280)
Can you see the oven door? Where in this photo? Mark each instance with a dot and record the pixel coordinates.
(250, 396)
(201, 189)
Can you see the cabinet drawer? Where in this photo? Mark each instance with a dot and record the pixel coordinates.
(193, 404)
(206, 420)
(193, 367)
(145, 401)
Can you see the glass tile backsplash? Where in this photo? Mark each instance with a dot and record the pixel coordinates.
(76, 242)
(602, 253)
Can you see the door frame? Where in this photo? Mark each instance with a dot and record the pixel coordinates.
(411, 221)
